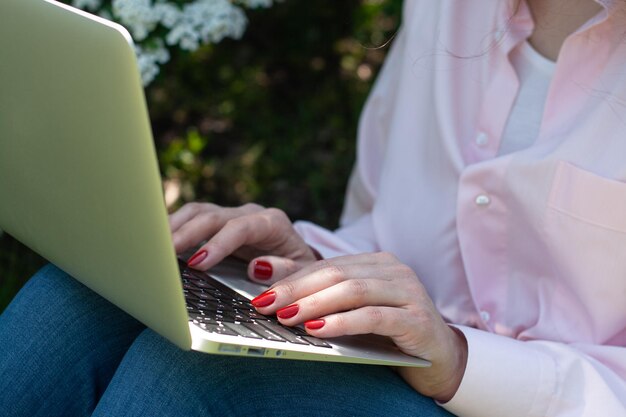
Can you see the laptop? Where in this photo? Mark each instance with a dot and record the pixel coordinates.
(80, 185)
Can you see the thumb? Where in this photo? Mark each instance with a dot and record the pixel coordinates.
(270, 269)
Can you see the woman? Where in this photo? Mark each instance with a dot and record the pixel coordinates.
(483, 230)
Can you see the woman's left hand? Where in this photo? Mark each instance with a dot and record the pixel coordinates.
(373, 293)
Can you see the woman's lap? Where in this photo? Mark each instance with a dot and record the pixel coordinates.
(156, 378)
(60, 345)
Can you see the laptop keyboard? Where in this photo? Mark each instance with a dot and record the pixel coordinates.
(217, 308)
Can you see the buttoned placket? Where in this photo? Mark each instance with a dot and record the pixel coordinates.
(488, 215)
(481, 213)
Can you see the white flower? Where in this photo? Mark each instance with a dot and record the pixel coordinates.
(167, 13)
(205, 21)
(189, 26)
(138, 16)
(149, 60)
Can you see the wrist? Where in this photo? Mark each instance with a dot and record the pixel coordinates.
(457, 366)
(442, 380)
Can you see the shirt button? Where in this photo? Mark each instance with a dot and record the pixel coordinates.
(482, 139)
(485, 316)
(482, 200)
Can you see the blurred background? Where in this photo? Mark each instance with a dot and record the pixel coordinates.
(269, 118)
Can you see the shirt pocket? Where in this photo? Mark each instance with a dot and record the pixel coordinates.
(589, 197)
(585, 230)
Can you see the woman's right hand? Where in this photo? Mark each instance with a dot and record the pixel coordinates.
(264, 237)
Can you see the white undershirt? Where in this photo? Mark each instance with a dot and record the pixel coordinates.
(534, 72)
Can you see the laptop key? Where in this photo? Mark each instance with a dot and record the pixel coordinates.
(196, 318)
(299, 331)
(212, 305)
(242, 330)
(256, 316)
(240, 298)
(190, 296)
(191, 310)
(241, 318)
(202, 295)
(205, 319)
(216, 328)
(283, 332)
(200, 283)
(316, 342)
(265, 333)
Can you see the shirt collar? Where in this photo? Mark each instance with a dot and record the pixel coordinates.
(517, 14)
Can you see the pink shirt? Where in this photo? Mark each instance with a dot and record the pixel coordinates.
(525, 252)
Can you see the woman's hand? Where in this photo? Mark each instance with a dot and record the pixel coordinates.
(373, 293)
(250, 232)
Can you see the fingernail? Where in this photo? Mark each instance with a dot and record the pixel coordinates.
(264, 299)
(262, 270)
(315, 324)
(197, 258)
(287, 312)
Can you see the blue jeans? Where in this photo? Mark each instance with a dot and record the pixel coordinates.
(65, 351)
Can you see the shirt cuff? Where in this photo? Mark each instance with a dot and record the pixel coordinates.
(349, 240)
(503, 377)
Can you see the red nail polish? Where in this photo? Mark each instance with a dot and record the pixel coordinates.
(287, 312)
(262, 270)
(197, 258)
(264, 299)
(314, 324)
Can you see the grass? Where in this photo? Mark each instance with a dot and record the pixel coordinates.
(17, 264)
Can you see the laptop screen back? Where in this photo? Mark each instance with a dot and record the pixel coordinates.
(79, 181)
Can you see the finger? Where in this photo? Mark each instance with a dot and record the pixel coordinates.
(184, 214)
(325, 275)
(199, 228)
(414, 331)
(381, 320)
(376, 258)
(270, 269)
(347, 295)
(257, 228)
(205, 223)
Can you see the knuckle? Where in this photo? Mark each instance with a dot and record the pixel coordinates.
(323, 264)
(252, 207)
(207, 217)
(239, 224)
(192, 207)
(313, 301)
(416, 287)
(289, 289)
(277, 214)
(340, 323)
(358, 288)
(374, 316)
(335, 274)
(420, 317)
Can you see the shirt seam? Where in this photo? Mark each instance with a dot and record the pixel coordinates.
(584, 220)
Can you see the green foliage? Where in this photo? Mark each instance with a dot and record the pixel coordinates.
(270, 118)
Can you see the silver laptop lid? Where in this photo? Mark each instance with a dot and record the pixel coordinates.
(79, 182)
